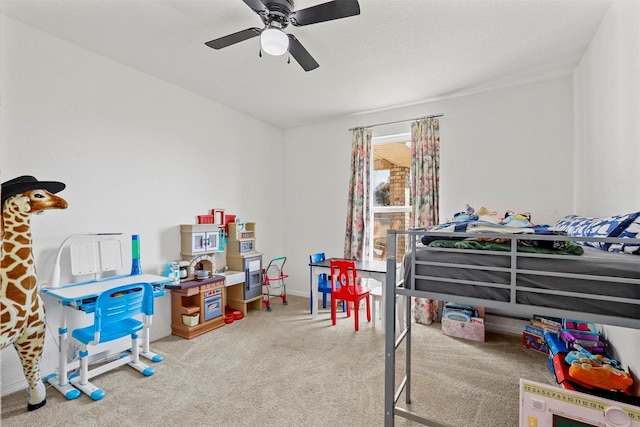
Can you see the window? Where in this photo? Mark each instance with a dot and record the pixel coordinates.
(390, 191)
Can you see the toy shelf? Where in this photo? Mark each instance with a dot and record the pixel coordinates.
(242, 231)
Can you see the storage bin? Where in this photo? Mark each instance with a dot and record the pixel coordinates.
(191, 319)
(467, 330)
(470, 330)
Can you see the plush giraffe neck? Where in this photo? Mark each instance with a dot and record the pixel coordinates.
(21, 309)
(17, 257)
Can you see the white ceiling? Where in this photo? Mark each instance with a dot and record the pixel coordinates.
(395, 53)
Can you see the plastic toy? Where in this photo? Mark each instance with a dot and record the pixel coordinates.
(556, 345)
(578, 325)
(605, 376)
(582, 355)
(589, 340)
(272, 280)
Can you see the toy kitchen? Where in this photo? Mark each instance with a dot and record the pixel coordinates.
(198, 300)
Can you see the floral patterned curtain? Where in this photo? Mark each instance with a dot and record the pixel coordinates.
(425, 192)
(358, 212)
(425, 169)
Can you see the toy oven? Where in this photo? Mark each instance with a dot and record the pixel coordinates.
(212, 303)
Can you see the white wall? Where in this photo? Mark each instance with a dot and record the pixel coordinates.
(138, 156)
(607, 116)
(504, 149)
(607, 136)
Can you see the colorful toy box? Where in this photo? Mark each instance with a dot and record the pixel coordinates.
(535, 342)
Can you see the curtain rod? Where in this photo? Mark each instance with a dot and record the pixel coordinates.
(398, 121)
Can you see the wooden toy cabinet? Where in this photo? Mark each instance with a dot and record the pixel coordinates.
(197, 306)
(198, 239)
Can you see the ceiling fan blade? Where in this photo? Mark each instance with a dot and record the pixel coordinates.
(234, 38)
(256, 5)
(301, 55)
(325, 12)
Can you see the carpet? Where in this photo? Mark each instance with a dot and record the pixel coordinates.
(281, 368)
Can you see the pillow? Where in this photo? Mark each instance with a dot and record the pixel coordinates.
(611, 226)
(631, 232)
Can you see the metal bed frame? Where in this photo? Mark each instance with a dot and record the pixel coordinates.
(393, 338)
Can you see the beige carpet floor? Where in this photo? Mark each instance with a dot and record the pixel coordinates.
(283, 369)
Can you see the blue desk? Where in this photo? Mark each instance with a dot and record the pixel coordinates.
(82, 296)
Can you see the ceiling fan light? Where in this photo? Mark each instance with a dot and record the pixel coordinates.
(274, 41)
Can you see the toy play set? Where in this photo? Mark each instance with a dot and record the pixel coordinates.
(577, 357)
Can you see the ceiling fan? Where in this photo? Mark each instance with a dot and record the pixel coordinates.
(276, 16)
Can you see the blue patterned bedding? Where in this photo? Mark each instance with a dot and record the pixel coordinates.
(621, 226)
(618, 226)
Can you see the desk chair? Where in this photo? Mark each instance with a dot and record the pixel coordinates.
(344, 272)
(324, 284)
(113, 319)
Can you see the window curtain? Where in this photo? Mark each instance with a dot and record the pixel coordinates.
(425, 192)
(358, 212)
(425, 171)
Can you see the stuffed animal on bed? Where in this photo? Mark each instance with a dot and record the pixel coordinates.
(513, 219)
(485, 214)
(23, 321)
(466, 215)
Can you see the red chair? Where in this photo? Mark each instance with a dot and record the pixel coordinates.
(343, 274)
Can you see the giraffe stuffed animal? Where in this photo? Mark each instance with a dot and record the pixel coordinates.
(21, 309)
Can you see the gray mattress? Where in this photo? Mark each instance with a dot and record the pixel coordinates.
(589, 293)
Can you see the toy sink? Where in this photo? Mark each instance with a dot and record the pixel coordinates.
(232, 277)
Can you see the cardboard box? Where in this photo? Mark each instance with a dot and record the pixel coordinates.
(469, 330)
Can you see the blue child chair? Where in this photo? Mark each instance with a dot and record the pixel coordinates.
(324, 283)
(114, 318)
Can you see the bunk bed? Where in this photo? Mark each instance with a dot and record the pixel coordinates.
(596, 286)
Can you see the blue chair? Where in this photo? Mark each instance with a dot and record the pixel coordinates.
(324, 283)
(114, 318)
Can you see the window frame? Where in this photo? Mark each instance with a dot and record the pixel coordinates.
(373, 210)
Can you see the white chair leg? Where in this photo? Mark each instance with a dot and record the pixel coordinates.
(135, 362)
(135, 351)
(400, 310)
(82, 381)
(376, 305)
(84, 365)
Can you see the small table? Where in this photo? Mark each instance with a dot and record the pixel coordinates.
(370, 269)
(82, 296)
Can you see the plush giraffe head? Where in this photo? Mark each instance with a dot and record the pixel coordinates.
(36, 201)
(33, 196)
